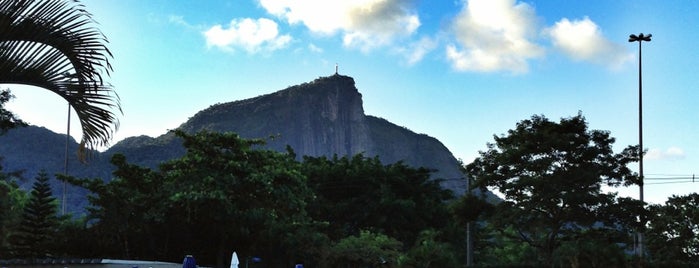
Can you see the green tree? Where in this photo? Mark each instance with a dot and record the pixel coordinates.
(52, 44)
(360, 193)
(245, 194)
(39, 222)
(12, 198)
(673, 232)
(430, 251)
(503, 247)
(364, 250)
(12, 202)
(225, 194)
(591, 249)
(550, 175)
(128, 211)
(469, 208)
(8, 120)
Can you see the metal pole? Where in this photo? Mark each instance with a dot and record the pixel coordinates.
(640, 149)
(640, 38)
(469, 237)
(65, 165)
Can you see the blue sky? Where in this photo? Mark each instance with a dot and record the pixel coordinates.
(460, 71)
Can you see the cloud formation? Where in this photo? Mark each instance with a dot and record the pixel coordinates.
(417, 50)
(494, 35)
(582, 40)
(364, 24)
(672, 153)
(252, 35)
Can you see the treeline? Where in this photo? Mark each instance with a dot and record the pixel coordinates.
(228, 194)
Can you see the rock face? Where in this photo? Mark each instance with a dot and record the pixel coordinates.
(324, 117)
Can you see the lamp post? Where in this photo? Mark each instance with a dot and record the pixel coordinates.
(640, 38)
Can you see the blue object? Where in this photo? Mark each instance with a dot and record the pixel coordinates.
(298, 266)
(189, 262)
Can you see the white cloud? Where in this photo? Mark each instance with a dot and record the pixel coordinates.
(249, 34)
(364, 24)
(672, 153)
(493, 35)
(314, 48)
(582, 40)
(415, 51)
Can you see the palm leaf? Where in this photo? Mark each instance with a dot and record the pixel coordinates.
(52, 44)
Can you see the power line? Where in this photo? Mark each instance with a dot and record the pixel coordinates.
(669, 182)
(670, 178)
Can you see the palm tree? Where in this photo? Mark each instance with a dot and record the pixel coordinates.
(53, 44)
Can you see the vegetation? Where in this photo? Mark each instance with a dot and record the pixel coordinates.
(12, 202)
(359, 193)
(8, 120)
(551, 176)
(673, 233)
(39, 222)
(51, 44)
(226, 194)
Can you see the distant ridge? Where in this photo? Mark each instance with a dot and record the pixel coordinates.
(323, 117)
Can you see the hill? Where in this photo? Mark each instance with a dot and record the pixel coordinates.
(319, 118)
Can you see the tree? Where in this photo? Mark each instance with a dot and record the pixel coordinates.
(550, 175)
(224, 194)
(39, 222)
(673, 232)
(8, 120)
(367, 249)
(127, 211)
(51, 44)
(12, 202)
(360, 193)
(249, 196)
(429, 251)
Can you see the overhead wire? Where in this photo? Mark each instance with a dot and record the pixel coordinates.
(670, 179)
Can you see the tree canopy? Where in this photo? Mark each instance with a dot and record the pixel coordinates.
(360, 193)
(231, 194)
(39, 222)
(551, 175)
(673, 233)
(224, 194)
(8, 120)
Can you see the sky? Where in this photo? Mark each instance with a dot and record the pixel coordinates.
(460, 70)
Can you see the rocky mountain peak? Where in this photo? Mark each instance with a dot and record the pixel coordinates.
(324, 117)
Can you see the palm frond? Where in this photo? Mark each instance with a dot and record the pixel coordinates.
(52, 44)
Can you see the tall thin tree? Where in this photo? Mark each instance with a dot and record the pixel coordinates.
(39, 222)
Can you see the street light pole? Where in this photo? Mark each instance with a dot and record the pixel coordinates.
(640, 38)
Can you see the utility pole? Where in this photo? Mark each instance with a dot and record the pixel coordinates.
(640, 38)
(65, 165)
(469, 236)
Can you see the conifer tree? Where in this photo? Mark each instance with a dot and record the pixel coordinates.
(39, 221)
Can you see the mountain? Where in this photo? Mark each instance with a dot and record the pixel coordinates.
(319, 118)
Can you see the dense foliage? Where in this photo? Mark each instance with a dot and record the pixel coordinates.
(359, 193)
(12, 202)
(674, 229)
(227, 194)
(39, 222)
(8, 120)
(257, 202)
(551, 175)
